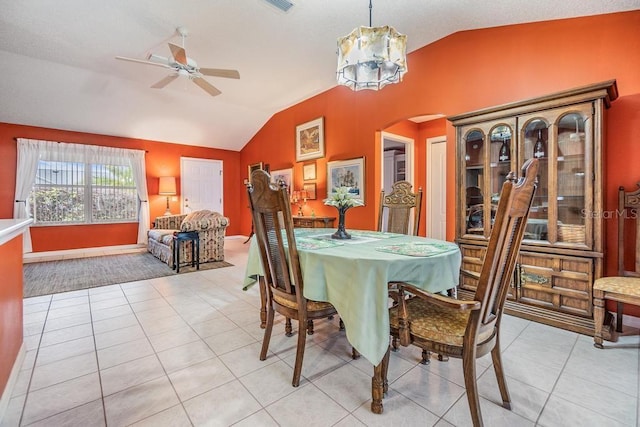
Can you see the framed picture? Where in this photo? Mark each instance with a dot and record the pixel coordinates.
(310, 188)
(309, 172)
(310, 140)
(285, 175)
(254, 167)
(346, 173)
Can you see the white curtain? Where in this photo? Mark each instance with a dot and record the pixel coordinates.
(136, 159)
(30, 151)
(28, 156)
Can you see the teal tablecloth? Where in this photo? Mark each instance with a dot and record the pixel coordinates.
(353, 275)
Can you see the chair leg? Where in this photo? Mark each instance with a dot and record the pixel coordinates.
(309, 327)
(469, 370)
(598, 317)
(288, 330)
(502, 383)
(267, 333)
(263, 302)
(394, 344)
(426, 357)
(297, 369)
(443, 358)
(619, 317)
(355, 354)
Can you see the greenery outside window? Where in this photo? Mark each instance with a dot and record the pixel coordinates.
(83, 193)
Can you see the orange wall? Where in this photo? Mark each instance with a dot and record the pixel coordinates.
(10, 307)
(463, 72)
(161, 159)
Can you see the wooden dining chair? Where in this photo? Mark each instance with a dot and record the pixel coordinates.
(470, 329)
(625, 287)
(398, 205)
(282, 278)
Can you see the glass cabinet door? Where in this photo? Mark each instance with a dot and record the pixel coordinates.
(560, 139)
(474, 141)
(489, 156)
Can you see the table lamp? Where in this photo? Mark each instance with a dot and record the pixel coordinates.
(167, 188)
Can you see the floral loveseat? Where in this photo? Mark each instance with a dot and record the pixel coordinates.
(209, 225)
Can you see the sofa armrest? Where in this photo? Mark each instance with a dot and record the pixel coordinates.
(203, 220)
(169, 222)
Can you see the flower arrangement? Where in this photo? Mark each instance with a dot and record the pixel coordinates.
(342, 198)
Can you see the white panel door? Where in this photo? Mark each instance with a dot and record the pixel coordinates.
(201, 184)
(437, 188)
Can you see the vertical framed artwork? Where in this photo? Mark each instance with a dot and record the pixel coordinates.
(309, 172)
(310, 140)
(310, 188)
(346, 173)
(285, 175)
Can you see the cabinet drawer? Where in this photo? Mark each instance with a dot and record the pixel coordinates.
(303, 223)
(559, 282)
(472, 257)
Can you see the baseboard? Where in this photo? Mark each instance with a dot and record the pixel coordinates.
(13, 377)
(82, 253)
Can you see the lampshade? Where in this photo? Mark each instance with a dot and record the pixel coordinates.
(167, 186)
(371, 57)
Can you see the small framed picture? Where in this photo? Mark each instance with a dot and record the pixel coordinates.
(254, 167)
(310, 140)
(309, 172)
(346, 173)
(285, 175)
(310, 188)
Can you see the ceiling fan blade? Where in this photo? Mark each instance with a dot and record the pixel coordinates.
(206, 86)
(162, 83)
(217, 72)
(178, 53)
(141, 61)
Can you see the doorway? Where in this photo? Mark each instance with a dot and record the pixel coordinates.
(201, 184)
(397, 163)
(437, 187)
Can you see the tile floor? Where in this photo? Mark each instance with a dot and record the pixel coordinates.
(183, 350)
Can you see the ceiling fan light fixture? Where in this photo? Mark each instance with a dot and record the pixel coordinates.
(371, 57)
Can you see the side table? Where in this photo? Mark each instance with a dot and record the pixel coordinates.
(313, 221)
(186, 236)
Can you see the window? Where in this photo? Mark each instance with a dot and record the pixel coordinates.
(83, 193)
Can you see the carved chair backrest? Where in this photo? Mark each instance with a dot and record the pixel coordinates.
(398, 205)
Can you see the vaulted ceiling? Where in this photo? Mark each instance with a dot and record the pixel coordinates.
(58, 67)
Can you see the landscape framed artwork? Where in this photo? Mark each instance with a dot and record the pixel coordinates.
(346, 173)
(310, 140)
(285, 175)
(253, 167)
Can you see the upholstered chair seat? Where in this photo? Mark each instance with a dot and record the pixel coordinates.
(436, 323)
(311, 305)
(629, 286)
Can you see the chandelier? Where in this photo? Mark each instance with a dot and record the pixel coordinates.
(371, 57)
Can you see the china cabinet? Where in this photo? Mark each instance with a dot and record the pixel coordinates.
(562, 251)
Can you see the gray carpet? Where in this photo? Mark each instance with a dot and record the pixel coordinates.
(51, 277)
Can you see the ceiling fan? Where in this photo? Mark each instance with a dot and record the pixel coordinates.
(182, 65)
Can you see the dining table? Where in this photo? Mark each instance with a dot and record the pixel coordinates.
(353, 275)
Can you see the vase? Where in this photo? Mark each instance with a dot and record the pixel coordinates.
(341, 233)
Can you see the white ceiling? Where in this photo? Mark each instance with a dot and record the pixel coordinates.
(58, 68)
